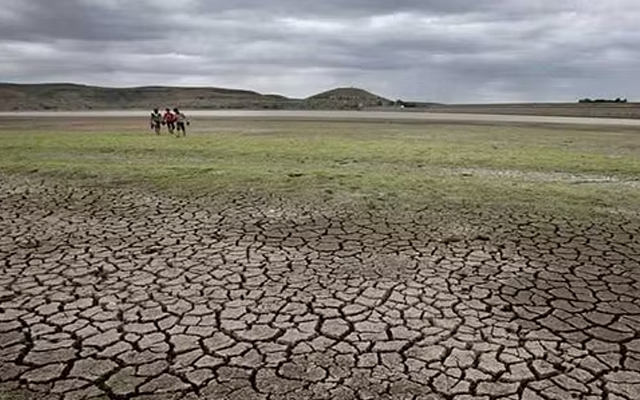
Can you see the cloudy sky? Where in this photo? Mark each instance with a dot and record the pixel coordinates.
(457, 51)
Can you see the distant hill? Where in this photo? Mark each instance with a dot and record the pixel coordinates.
(66, 96)
(347, 98)
(80, 97)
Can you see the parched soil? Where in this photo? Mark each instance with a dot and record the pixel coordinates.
(120, 295)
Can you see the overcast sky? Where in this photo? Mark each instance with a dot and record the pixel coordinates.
(456, 51)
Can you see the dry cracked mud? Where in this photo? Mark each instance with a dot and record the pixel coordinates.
(113, 295)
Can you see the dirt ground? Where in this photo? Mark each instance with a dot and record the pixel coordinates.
(560, 115)
(593, 110)
(122, 295)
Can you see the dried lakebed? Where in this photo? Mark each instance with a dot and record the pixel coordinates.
(114, 295)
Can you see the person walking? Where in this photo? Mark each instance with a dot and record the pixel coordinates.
(156, 120)
(181, 122)
(169, 119)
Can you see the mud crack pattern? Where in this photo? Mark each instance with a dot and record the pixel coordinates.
(119, 296)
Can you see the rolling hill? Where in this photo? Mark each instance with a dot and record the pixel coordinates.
(347, 98)
(14, 97)
(65, 96)
(74, 97)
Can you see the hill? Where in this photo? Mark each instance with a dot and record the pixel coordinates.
(63, 96)
(347, 98)
(66, 96)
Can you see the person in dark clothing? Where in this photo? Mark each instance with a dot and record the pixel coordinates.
(181, 122)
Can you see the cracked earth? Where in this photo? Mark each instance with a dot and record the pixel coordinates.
(113, 295)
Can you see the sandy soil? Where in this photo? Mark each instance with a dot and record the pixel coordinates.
(350, 115)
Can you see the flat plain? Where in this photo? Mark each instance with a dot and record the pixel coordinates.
(296, 259)
(597, 110)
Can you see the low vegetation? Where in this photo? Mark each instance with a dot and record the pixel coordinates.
(616, 100)
(574, 171)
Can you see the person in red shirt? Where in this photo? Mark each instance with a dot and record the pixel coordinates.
(169, 119)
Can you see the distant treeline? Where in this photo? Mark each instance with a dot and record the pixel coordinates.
(412, 104)
(588, 100)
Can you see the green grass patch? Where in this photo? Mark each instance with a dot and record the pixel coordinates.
(417, 164)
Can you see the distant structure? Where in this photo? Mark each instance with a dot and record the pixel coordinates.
(402, 104)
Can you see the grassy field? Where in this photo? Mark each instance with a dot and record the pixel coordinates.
(573, 170)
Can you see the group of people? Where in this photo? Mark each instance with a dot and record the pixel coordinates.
(175, 121)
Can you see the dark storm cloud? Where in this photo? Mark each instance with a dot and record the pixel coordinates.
(74, 19)
(444, 50)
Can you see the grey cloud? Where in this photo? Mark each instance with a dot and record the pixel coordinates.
(441, 50)
(75, 19)
(350, 8)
